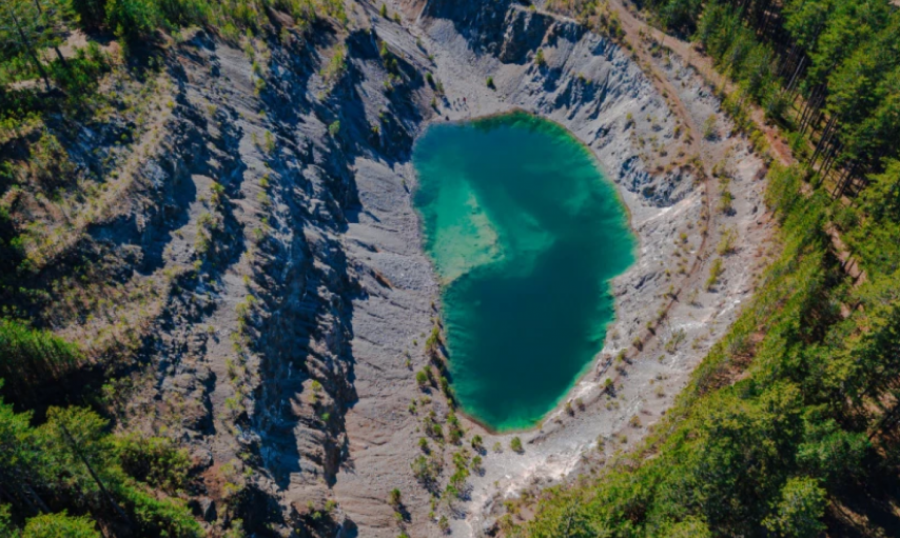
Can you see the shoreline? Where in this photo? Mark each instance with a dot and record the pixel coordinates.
(659, 205)
(635, 240)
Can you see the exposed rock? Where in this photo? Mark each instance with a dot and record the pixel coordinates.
(270, 212)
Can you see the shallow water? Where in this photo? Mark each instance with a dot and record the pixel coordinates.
(524, 232)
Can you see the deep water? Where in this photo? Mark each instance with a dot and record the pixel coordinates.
(525, 233)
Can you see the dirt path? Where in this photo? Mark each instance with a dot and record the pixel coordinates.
(635, 27)
(692, 57)
(693, 146)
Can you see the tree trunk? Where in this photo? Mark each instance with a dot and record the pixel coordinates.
(22, 492)
(796, 77)
(90, 469)
(62, 59)
(823, 140)
(810, 109)
(31, 53)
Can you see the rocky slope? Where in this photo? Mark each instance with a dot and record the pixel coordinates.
(261, 237)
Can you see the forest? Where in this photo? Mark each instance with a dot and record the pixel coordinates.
(825, 70)
(789, 426)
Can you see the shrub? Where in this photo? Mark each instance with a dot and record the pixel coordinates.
(395, 498)
(715, 271)
(515, 445)
(334, 128)
(726, 244)
(132, 19)
(155, 460)
(50, 164)
(59, 525)
(422, 378)
(29, 356)
(725, 201)
(424, 470)
(336, 65)
(709, 127)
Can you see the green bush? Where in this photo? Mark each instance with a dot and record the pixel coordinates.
(60, 526)
(157, 461)
(132, 19)
(29, 356)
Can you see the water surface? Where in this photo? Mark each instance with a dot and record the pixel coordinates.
(524, 232)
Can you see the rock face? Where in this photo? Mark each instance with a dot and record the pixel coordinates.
(259, 348)
(272, 209)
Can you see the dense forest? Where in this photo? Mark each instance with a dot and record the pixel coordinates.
(826, 70)
(789, 426)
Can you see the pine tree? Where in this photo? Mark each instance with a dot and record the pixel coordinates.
(60, 525)
(22, 33)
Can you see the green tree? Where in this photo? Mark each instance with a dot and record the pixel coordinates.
(22, 34)
(6, 526)
(60, 526)
(132, 19)
(691, 527)
(800, 511)
(19, 457)
(568, 519)
(75, 446)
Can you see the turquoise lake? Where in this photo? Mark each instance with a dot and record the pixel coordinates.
(524, 232)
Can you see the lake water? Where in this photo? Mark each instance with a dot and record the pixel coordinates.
(524, 232)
